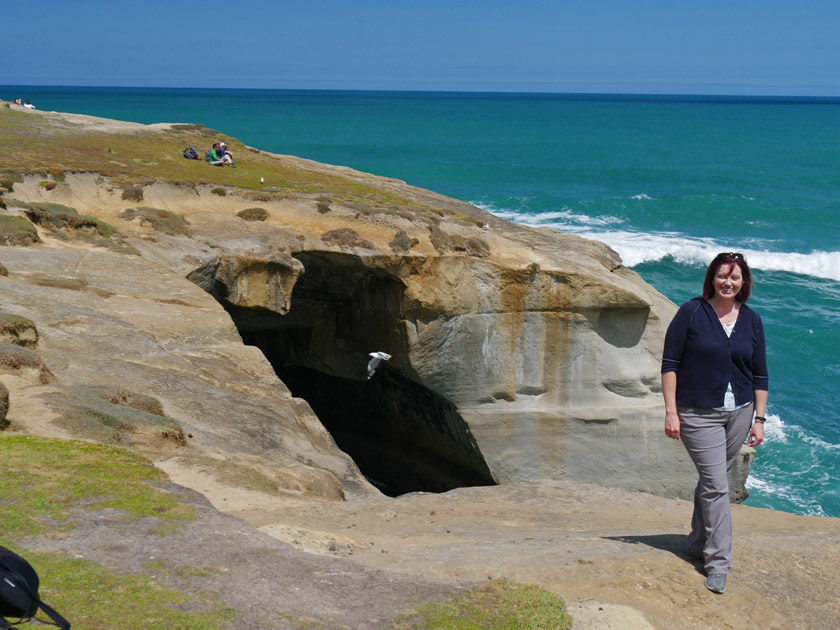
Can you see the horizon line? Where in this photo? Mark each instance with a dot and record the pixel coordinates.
(569, 93)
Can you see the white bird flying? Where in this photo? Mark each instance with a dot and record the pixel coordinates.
(377, 357)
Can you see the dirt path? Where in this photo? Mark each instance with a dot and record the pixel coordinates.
(615, 556)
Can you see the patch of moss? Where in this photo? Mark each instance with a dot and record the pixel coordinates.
(45, 483)
(497, 605)
(54, 216)
(160, 220)
(221, 192)
(463, 219)
(43, 479)
(443, 243)
(323, 204)
(346, 238)
(232, 474)
(18, 330)
(14, 175)
(253, 214)
(132, 193)
(401, 242)
(185, 127)
(476, 246)
(14, 357)
(87, 414)
(59, 282)
(16, 230)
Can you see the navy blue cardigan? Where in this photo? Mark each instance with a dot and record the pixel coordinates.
(705, 359)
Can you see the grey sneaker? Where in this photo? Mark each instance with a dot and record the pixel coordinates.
(716, 582)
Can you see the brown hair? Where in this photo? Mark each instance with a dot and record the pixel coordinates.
(728, 258)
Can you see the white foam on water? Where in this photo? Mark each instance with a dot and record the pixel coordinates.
(636, 248)
(556, 218)
(785, 493)
(774, 429)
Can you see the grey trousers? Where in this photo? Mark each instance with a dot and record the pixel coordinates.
(713, 439)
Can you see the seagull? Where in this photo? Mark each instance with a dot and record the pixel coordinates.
(377, 357)
(262, 180)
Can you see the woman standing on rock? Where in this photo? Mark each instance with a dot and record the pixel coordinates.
(714, 378)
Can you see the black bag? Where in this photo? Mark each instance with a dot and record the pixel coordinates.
(19, 591)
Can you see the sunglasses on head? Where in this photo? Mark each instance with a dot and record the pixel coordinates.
(732, 256)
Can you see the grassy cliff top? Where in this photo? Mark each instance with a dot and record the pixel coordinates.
(51, 143)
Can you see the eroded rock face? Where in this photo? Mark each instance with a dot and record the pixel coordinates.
(544, 351)
(249, 281)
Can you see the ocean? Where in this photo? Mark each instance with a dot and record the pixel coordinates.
(665, 181)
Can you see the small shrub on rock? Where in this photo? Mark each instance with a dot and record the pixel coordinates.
(253, 214)
(477, 247)
(323, 204)
(59, 282)
(54, 216)
(18, 330)
(86, 414)
(221, 192)
(16, 230)
(160, 220)
(441, 241)
(127, 398)
(7, 183)
(346, 238)
(14, 359)
(4, 406)
(132, 193)
(402, 242)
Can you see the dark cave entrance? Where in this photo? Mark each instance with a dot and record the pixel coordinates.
(402, 436)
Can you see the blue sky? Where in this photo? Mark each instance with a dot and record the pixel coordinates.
(632, 46)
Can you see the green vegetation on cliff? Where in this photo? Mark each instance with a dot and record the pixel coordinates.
(136, 157)
(497, 605)
(44, 486)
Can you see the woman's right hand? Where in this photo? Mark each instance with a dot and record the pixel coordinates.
(672, 425)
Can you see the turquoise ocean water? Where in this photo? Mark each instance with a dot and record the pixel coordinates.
(666, 181)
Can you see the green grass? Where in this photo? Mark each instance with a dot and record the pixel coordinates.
(42, 480)
(42, 483)
(93, 597)
(497, 605)
(34, 144)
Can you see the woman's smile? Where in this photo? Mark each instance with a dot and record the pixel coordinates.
(728, 280)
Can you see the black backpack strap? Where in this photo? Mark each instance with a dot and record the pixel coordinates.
(60, 621)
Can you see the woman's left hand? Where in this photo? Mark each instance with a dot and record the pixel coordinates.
(756, 434)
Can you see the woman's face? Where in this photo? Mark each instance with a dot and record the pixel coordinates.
(728, 281)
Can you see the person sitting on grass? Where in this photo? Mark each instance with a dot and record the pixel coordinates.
(218, 157)
(227, 156)
(212, 156)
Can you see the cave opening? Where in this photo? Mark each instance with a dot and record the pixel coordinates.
(403, 436)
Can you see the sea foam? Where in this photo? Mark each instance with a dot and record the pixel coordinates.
(636, 248)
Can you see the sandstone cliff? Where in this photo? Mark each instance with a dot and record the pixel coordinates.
(516, 353)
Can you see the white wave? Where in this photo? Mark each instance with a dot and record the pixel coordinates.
(642, 196)
(774, 429)
(560, 219)
(636, 248)
(757, 485)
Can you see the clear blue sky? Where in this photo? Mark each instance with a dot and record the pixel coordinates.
(641, 46)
